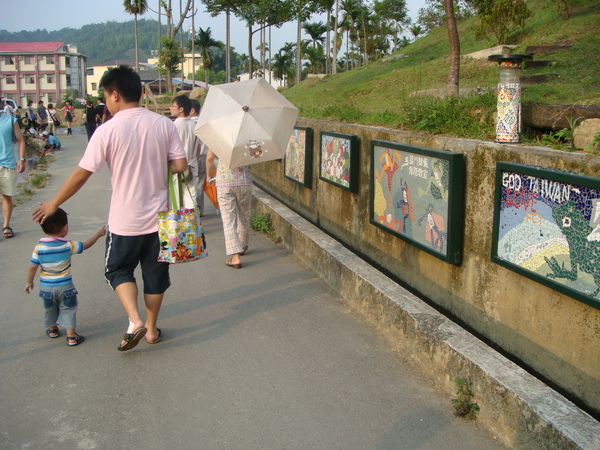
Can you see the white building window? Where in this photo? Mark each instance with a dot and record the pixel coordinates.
(51, 98)
(29, 60)
(94, 86)
(9, 61)
(29, 79)
(10, 80)
(50, 79)
(49, 59)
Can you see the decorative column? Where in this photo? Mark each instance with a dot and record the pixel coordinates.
(509, 96)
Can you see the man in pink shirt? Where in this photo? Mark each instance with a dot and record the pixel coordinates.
(136, 145)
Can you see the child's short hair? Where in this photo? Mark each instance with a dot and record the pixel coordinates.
(55, 223)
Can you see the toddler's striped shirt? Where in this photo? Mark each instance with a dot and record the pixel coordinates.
(54, 257)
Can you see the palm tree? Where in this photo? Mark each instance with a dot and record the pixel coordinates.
(136, 7)
(315, 30)
(416, 31)
(283, 66)
(204, 43)
(316, 58)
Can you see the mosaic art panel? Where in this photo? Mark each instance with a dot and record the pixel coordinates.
(298, 156)
(339, 159)
(414, 196)
(547, 227)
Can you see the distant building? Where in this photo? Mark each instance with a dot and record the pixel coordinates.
(41, 71)
(267, 75)
(148, 73)
(190, 65)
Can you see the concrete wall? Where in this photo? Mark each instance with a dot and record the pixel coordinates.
(553, 334)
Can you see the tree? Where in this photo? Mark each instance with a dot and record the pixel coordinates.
(434, 15)
(283, 66)
(500, 18)
(315, 30)
(172, 30)
(170, 57)
(302, 10)
(394, 12)
(205, 44)
(136, 7)
(416, 31)
(454, 75)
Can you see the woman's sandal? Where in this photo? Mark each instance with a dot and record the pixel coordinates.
(75, 340)
(52, 333)
(235, 266)
(8, 234)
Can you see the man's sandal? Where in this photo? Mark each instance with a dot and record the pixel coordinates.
(8, 234)
(75, 340)
(132, 339)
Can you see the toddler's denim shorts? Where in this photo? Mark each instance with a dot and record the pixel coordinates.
(60, 304)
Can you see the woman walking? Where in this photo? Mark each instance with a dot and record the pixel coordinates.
(69, 114)
(234, 192)
(51, 118)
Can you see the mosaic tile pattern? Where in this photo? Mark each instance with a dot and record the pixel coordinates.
(295, 156)
(551, 229)
(336, 159)
(410, 196)
(509, 112)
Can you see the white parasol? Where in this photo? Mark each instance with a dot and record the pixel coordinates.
(246, 122)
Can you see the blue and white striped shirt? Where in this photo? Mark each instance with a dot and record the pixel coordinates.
(54, 257)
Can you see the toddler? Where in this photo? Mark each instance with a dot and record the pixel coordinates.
(53, 254)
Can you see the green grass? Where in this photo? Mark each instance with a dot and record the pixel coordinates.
(380, 93)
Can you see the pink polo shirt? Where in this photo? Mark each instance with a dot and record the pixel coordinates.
(136, 145)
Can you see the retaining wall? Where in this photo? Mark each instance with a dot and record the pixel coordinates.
(553, 334)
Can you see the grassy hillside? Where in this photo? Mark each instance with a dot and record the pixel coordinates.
(379, 93)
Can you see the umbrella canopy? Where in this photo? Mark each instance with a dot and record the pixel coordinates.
(246, 122)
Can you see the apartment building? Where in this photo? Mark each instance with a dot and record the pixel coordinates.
(41, 71)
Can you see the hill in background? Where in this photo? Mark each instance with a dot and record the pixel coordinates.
(101, 42)
(383, 92)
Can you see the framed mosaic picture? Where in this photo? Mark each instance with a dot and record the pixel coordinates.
(547, 228)
(339, 160)
(298, 156)
(417, 195)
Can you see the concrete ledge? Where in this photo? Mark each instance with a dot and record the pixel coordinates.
(515, 406)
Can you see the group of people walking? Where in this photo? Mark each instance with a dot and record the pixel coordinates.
(137, 145)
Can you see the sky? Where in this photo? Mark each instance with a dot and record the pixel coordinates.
(58, 14)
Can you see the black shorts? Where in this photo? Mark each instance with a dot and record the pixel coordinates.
(124, 253)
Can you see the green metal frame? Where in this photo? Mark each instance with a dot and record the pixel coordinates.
(308, 158)
(454, 221)
(353, 181)
(546, 174)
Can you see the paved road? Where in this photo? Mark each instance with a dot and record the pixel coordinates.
(263, 357)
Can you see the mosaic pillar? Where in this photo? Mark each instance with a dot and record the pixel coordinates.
(508, 126)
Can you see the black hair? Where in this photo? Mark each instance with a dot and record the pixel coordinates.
(55, 223)
(195, 105)
(183, 101)
(125, 81)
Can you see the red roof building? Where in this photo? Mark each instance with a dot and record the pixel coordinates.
(41, 71)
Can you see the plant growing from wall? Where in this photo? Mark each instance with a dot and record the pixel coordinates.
(262, 222)
(463, 404)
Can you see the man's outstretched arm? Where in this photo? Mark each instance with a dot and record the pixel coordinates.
(75, 182)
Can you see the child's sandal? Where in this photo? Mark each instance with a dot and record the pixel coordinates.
(52, 333)
(75, 340)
